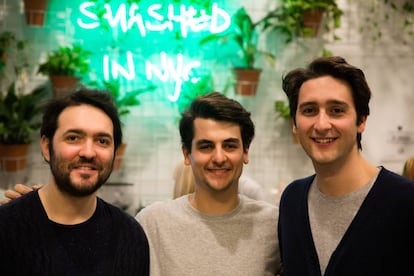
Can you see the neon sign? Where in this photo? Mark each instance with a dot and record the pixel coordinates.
(188, 18)
(153, 19)
(179, 73)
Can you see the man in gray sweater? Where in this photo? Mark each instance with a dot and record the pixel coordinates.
(215, 230)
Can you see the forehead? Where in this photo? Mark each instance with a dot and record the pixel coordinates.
(209, 129)
(86, 118)
(325, 89)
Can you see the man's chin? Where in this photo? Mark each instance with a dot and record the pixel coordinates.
(82, 190)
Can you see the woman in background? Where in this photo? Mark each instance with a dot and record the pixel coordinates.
(408, 170)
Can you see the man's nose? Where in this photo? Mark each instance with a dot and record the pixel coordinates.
(88, 149)
(322, 121)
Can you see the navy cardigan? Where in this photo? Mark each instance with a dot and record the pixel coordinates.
(379, 240)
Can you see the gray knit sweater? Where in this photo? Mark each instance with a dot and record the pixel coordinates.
(184, 241)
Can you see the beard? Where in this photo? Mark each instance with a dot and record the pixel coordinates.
(61, 171)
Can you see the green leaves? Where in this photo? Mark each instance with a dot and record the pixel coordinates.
(125, 100)
(20, 114)
(72, 61)
(288, 18)
(245, 34)
(282, 108)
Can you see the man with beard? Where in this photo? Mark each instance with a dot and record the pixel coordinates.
(64, 228)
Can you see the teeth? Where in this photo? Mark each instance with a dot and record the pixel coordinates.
(324, 140)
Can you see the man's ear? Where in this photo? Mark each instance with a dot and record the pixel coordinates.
(44, 145)
(186, 155)
(294, 128)
(246, 156)
(361, 126)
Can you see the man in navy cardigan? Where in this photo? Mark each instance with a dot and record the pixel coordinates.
(351, 217)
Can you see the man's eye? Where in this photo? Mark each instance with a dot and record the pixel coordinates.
(72, 137)
(231, 146)
(337, 110)
(104, 141)
(205, 147)
(308, 111)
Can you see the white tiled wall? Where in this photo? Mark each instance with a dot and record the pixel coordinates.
(153, 139)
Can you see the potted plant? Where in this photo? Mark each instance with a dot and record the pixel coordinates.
(301, 18)
(35, 11)
(65, 67)
(123, 101)
(19, 118)
(245, 33)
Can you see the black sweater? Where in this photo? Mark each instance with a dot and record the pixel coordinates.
(379, 241)
(110, 243)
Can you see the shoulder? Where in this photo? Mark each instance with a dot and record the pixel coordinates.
(161, 209)
(18, 218)
(23, 204)
(129, 238)
(386, 174)
(301, 184)
(120, 218)
(160, 216)
(295, 192)
(260, 208)
(390, 182)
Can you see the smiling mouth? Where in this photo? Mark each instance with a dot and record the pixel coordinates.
(85, 168)
(219, 171)
(85, 172)
(88, 167)
(323, 140)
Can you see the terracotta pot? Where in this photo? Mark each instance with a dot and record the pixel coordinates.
(312, 20)
(35, 11)
(13, 157)
(63, 85)
(246, 81)
(119, 157)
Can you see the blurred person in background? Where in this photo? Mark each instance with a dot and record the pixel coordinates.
(408, 169)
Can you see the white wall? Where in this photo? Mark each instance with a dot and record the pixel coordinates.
(274, 159)
(154, 146)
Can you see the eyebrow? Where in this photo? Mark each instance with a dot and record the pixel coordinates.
(336, 102)
(79, 131)
(228, 140)
(232, 140)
